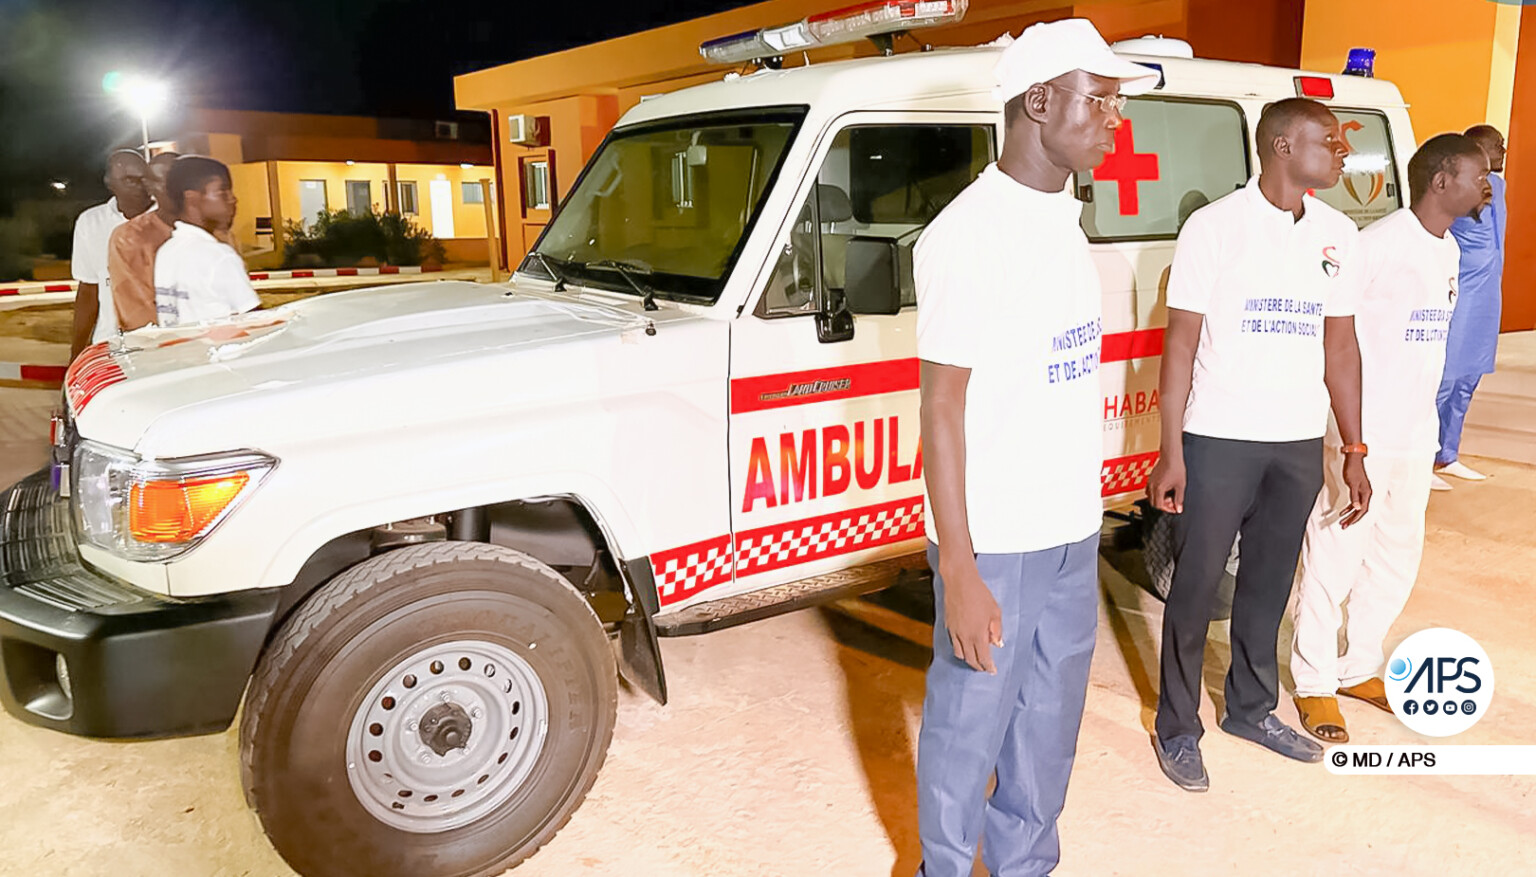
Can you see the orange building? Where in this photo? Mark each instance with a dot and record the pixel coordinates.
(1454, 60)
(288, 166)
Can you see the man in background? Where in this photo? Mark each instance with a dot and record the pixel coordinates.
(198, 278)
(1474, 339)
(131, 250)
(1408, 267)
(95, 315)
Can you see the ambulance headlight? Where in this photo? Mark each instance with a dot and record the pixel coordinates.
(156, 509)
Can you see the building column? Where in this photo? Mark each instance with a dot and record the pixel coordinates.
(275, 198)
(392, 192)
(492, 240)
(1520, 172)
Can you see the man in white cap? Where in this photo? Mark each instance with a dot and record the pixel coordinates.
(1008, 329)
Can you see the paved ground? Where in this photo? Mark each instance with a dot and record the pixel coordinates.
(788, 750)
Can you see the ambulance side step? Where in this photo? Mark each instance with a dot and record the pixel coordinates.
(779, 599)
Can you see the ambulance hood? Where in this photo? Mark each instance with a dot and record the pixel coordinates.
(351, 363)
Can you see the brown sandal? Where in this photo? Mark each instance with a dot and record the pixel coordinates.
(1322, 719)
(1373, 691)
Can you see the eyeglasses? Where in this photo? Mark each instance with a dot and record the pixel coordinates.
(1106, 103)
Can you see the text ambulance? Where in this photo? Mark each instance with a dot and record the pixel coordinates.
(414, 529)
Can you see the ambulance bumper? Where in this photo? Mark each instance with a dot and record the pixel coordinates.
(87, 654)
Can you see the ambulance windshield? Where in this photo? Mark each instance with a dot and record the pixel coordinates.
(674, 199)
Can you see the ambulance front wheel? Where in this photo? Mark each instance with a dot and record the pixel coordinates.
(435, 711)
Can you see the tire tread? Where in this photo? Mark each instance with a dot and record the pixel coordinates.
(354, 584)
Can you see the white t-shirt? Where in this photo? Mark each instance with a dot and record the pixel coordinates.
(1264, 282)
(88, 261)
(199, 278)
(1408, 290)
(1006, 288)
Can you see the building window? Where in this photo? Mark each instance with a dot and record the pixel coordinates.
(312, 201)
(407, 197)
(536, 185)
(473, 193)
(359, 197)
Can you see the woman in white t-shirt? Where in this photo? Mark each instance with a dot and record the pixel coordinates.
(1409, 263)
(199, 278)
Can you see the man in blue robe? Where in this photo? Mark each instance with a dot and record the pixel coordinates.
(1474, 332)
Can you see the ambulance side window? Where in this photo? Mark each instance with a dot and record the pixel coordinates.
(883, 181)
(1171, 157)
(1368, 188)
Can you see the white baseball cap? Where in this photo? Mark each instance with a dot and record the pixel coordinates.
(1045, 51)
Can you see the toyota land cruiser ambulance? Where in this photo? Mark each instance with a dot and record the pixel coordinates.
(417, 531)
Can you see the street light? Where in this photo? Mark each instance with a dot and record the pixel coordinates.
(144, 97)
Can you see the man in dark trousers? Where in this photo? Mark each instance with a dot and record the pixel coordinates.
(1261, 334)
(1008, 327)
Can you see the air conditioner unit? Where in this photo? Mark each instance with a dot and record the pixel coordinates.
(526, 130)
(446, 130)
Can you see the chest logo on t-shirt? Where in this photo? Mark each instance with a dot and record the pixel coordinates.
(1330, 262)
(1451, 296)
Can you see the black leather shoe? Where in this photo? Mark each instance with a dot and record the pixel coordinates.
(1276, 736)
(1180, 760)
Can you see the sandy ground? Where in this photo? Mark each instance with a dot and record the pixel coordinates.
(788, 750)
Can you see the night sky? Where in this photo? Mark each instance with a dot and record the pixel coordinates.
(369, 57)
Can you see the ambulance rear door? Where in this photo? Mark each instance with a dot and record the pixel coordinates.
(1172, 156)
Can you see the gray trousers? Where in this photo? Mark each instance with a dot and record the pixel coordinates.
(1265, 491)
(1020, 724)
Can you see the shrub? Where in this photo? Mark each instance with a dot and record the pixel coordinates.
(341, 238)
(16, 240)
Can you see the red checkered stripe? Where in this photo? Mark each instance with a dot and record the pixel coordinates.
(1126, 474)
(775, 547)
(682, 572)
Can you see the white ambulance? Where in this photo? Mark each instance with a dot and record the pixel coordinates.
(417, 531)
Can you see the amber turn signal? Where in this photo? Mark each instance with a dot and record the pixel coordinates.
(176, 510)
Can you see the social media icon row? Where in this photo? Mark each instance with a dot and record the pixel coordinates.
(1430, 707)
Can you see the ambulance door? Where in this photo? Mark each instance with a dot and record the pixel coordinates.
(1172, 156)
(826, 465)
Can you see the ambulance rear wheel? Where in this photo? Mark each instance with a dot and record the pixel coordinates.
(436, 711)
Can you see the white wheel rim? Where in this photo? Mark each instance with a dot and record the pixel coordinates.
(482, 691)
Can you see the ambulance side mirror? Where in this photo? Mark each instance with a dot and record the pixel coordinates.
(873, 276)
(834, 322)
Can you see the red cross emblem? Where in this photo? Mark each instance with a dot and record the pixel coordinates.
(1126, 167)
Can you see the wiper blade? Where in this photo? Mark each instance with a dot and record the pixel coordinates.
(549, 268)
(630, 273)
